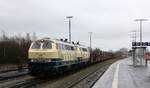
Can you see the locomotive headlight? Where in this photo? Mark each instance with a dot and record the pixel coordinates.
(31, 60)
(48, 60)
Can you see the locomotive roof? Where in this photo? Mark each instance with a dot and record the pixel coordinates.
(62, 42)
(55, 40)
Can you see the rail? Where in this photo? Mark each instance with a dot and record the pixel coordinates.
(98, 73)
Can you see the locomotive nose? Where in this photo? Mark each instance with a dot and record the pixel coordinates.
(40, 55)
(36, 55)
(43, 55)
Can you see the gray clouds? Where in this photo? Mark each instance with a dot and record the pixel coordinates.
(111, 21)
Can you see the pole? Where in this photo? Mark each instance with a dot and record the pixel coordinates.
(69, 30)
(142, 53)
(4, 51)
(134, 48)
(141, 20)
(69, 17)
(135, 36)
(90, 40)
(141, 33)
(134, 31)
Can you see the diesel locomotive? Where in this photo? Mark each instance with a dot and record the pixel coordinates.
(52, 56)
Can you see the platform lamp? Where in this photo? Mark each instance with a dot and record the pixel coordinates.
(69, 17)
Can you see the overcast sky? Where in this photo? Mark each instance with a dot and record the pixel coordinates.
(111, 21)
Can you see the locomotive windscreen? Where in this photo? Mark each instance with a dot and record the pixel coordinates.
(43, 44)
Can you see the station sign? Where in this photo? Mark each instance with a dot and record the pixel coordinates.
(140, 43)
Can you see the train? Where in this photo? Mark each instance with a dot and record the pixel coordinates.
(54, 57)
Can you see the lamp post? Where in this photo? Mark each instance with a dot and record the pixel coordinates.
(141, 20)
(90, 40)
(142, 48)
(69, 17)
(135, 36)
(134, 40)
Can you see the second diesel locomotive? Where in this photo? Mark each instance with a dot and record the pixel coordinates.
(52, 56)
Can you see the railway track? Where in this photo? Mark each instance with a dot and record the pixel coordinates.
(89, 79)
(17, 81)
(84, 78)
(13, 74)
(26, 82)
(14, 69)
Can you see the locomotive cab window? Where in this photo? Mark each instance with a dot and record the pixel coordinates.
(47, 45)
(72, 48)
(42, 44)
(84, 49)
(36, 45)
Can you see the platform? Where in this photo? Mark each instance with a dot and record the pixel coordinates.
(123, 74)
